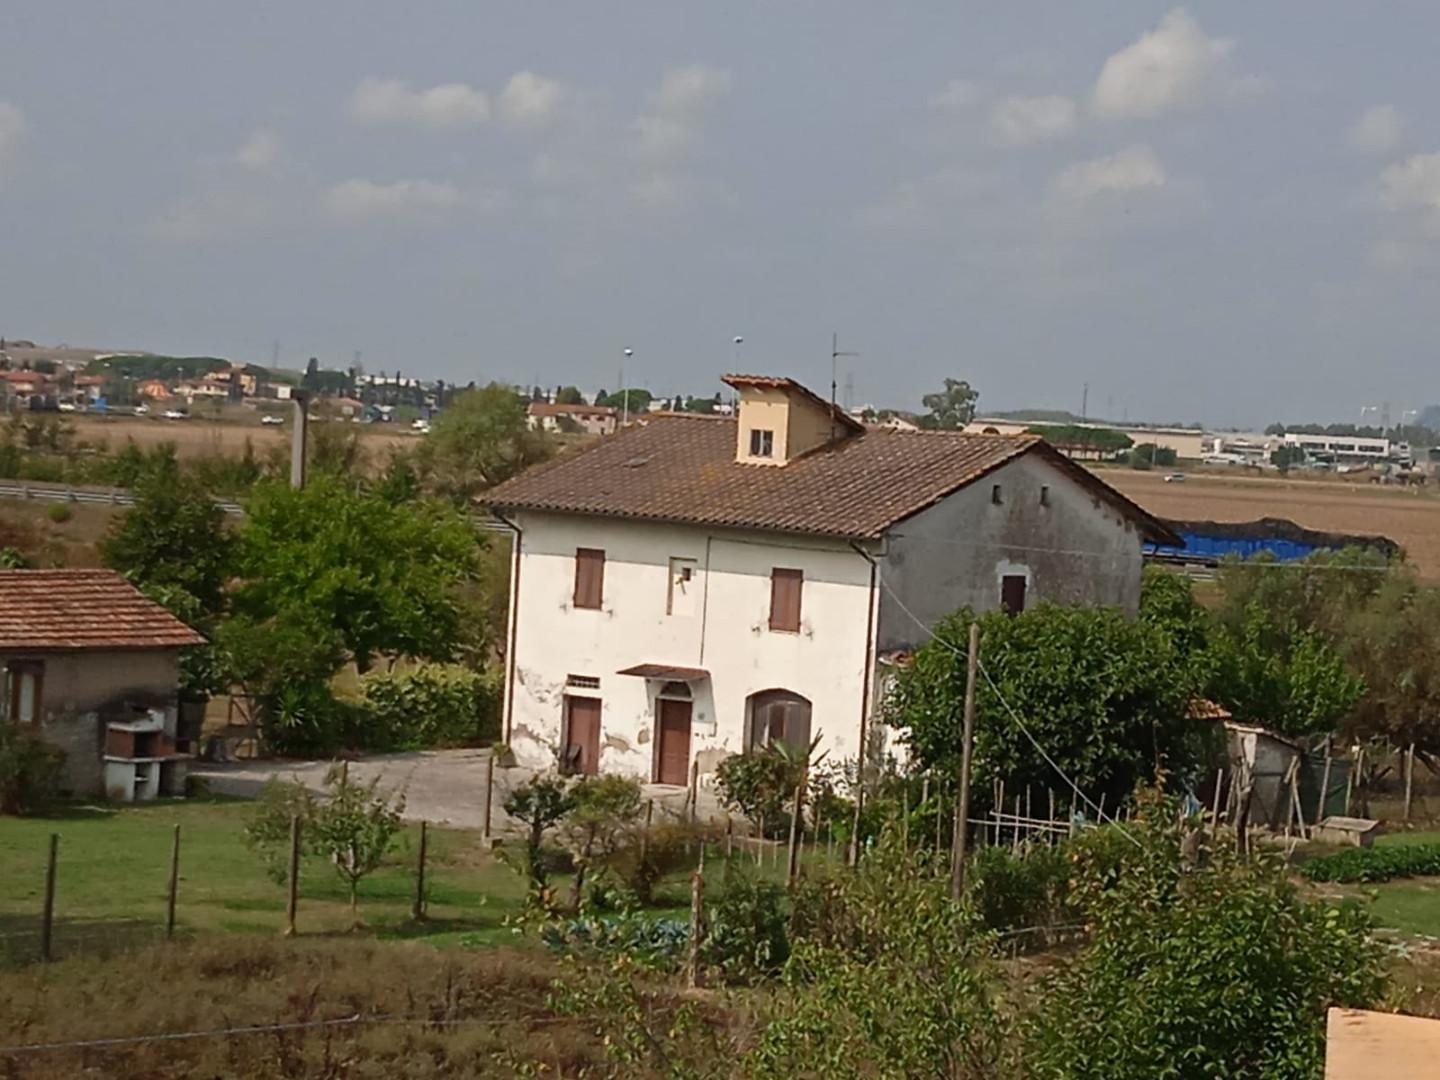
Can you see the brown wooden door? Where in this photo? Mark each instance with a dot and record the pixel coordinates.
(582, 735)
(673, 766)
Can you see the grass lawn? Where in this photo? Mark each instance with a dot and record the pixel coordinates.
(114, 868)
(113, 871)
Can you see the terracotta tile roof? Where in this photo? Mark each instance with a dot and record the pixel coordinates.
(681, 468)
(83, 609)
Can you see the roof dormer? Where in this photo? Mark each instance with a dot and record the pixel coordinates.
(779, 420)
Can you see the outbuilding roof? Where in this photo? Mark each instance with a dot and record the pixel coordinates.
(46, 610)
(675, 467)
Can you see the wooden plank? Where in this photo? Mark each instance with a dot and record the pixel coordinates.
(1362, 1045)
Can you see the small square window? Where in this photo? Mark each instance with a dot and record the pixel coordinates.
(995, 494)
(762, 442)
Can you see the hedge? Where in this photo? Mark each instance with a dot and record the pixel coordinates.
(433, 706)
(1374, 864)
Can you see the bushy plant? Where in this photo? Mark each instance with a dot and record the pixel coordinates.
(1014, 890)
(666, 849)
(355, 826)
(761, 784)
(434, 705)
(746, 937)
(31, 771)
(59, 512)
(1374, 864)
(601, 812)
(267, 830)
(1198, 965)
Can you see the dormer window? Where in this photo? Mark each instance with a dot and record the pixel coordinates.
(762, 443)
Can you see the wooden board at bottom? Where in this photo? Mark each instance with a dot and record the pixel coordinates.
(1361, 1045)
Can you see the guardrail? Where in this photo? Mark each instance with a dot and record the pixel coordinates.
(24, 489)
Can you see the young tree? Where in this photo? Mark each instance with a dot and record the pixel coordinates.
(355, 826)
(1395, 647)
(569, 395)
(952, 408)
(539, 806)
(481, 438)
(602, 809)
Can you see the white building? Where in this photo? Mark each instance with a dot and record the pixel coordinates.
(586, 419)
(696, 586)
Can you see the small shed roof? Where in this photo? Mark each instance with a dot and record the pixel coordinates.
(54, 610)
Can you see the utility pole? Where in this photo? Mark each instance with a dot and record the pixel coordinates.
(301, 430)
(1085, 402)
(962, 804)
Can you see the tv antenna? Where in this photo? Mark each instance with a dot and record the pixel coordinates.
(835, 354)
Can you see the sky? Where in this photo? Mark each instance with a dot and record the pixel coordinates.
(1226, 212)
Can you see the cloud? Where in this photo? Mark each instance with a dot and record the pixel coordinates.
(1018, 120)
(12, 130)
(449, 106)
(1378, 131)
(1135, 168)
(1412, 184)
(957, 96)
(671, 126)
(364, 200)
(530, 100)
(1175, 66)
(260, 153)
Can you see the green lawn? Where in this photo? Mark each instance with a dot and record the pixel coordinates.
(1401, 839)
(114, 867)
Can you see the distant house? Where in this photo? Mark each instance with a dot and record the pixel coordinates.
(92, 666)
(700, 586)
(90, 387)
(586, 419)
(153, 390)
(28, 382)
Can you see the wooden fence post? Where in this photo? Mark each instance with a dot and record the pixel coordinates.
(694, 789)
(489, 793)
(792, 865)
(697, 927)
(292, 894)
(1215, 804)
(645, 834)
(1320, 814)
(729, 837)
(417, 910)
(1409, 777)
(47, 917)
(174, 885)
(967, 739)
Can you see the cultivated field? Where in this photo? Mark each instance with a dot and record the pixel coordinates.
(199, 437)
(1410, 518)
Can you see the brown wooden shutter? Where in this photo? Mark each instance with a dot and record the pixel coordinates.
(589, 577)
(785, 588)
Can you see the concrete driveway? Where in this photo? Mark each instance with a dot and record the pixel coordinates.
(444, 787)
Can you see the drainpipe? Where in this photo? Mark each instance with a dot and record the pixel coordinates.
(512, 618)
(854, 857)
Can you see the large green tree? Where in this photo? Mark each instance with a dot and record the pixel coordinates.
(1104, 695)
(481, 438)
(385, 579)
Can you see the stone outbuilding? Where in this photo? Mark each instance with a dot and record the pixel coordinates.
(93, 667)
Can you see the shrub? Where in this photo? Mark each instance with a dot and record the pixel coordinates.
(267, 832)
(1198, 966)
(746, 937)
(539, 805)
(13, 559)
(31, 771)
(667, 849)
(601, 812)
(434, 705)
(762, 784)
(1374, 864)
(1012, 890)
(58, 512)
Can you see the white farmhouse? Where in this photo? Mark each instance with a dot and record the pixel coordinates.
(693, 586)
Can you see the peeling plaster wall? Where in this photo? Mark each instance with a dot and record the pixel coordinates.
(1074, 549)
(728, 635)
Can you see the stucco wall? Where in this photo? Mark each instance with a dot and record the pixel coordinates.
(1075, 550)
(77, 685)
(726, 634)
(768, 410)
